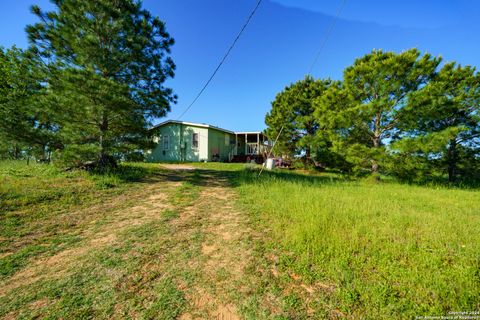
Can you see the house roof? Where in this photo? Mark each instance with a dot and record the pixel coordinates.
(203, 125)
(248, 132)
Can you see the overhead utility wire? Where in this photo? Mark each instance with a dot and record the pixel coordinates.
(327, 36)
(223, 59)
(324, 42)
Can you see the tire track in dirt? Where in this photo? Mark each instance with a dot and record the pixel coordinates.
(223, 253)
(153, 199)
(215, 234)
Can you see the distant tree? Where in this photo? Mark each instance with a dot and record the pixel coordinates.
(293, 109)
(442, 122)
(108, 61)
(365, 111)
(26, 126)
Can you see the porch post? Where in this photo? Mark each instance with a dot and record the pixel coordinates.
(246, 140)
(258, 143)
(236, 144)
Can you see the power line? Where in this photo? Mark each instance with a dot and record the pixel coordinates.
(270, 151)
(223, 59)
(327, 35)
(322, 45)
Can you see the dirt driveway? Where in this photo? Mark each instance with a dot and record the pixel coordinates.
(175, 246)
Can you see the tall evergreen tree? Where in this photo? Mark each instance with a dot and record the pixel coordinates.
(108, 62)
(293, 109)
(26, 124)
(443, 121)
(366, 110)
(335, 131)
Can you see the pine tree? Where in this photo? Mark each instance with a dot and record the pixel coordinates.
(26, 126)
(293, 110)
(108, 61)
(443, 121)
(367, 109)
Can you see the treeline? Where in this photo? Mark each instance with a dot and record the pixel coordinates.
(89, 85)
(402, 114)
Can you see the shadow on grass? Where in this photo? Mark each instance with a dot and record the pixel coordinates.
(227, 178)
(125, 173)
(203, 177)
(249, 176)
(471, 183)
(143, 173)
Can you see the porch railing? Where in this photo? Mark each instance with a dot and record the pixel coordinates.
(253, 148)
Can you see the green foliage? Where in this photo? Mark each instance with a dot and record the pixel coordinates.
(169, 301)
(107, 63)
(366, 109)
(292, 110)
(392, 114)
(442, 122)
(26, 127)
(319, 245)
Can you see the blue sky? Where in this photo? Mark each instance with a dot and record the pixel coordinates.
(280, 44)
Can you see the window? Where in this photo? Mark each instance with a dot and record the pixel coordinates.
(166, 142)
(195, 140)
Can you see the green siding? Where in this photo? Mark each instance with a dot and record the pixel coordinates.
(213, 144)
(220, 143)
(179, 134)
(241, 145)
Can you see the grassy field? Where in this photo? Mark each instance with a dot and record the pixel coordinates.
(35, 198)
(70, 250)
(145, 242)
(373, 250)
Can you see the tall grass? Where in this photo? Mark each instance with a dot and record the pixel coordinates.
(387, 250)
(34, 196)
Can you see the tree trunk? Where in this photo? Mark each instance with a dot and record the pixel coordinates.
(308, 154)
(104, 161)
(376, 139)
(376, 144)
(452, 160)
(16, 152)
(44, 153)
(308, 149)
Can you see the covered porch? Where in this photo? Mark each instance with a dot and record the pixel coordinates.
(251, 146)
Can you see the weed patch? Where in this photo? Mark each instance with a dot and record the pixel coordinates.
(385, 248)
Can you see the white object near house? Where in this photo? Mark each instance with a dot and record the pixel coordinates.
(270, 165)
(187, 141)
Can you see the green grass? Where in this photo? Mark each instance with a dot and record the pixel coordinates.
(131, 277)
(118, 281)
(38, 204)
(221, 166)
(384, 249)
(368, 250)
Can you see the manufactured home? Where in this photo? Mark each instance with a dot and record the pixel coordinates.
(187, 141)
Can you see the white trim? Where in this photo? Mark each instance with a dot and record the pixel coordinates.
(165, 138)
(197, 141)
(249, 132)
(201, 125)
(204, 125)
